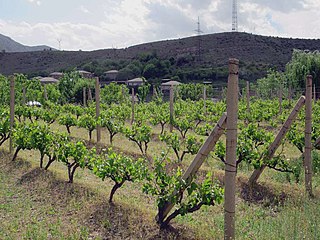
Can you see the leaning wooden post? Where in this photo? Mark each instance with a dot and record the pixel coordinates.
(98, 109)
(171, 107)
(308, 129)
(280, 99)
(231, 153)
(204, 100)
(12, 100)
(277, 141)
(84, 97)
(132, 106)
(202, 154)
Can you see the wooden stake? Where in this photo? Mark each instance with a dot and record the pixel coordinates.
(89, 94)
(277, 141)
(84, 97)
(98, 109)
(203, 153)
(24, 96)
(231, 153)
(45, 93)
(171, 107)
(132, 106)
(248, 98)
(308, 129)
(12, 100)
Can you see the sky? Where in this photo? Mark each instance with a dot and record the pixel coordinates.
(100, 24)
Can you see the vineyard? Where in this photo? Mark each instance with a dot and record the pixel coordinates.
(137, 156)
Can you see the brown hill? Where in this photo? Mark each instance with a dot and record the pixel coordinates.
(256, 54)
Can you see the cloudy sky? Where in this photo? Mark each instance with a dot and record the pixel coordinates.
(97, 24)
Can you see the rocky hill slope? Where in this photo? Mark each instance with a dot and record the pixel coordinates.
(256, 54)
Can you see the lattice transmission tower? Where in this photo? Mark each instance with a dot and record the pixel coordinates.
(199, 31)
(235, 16)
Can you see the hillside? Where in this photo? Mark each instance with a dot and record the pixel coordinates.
(9, 45)
(256, 54)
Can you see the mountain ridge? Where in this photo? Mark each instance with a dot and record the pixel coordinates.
(7, 44)
(256, 53)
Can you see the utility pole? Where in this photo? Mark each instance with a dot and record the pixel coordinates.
(234, 16)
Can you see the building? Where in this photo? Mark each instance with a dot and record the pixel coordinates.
(56, 75)
(48, 80)
(136, 82)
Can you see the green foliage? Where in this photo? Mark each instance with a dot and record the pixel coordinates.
(88, 122)
(78, 88)
(168, 187)
(268, 87)
(141, 135)
(181, 147)
(73, 155)
(4, 126)
(143, 91)
(67, 120)
(114, 93)
(118, 168)
(113, 120)
(302, 64)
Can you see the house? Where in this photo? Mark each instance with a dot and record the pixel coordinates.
(47, 80)
(85, 74)
(111, 75)
(56, 75)
(166, 86)
(136, 82)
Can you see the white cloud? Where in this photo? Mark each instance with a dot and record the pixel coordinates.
(84, 9)
(122, 23)
(35, 2)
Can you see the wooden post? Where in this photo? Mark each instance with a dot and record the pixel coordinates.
(277, 141)
(231, 153)
(248, 97)
(202, 154)
(89, 94)
(132, 106)
(154, 91)
(171, 107)
(98, 109)
(45, 93)
(308, 129)
(12, 100)
(84, 97)
(204, 100)
(280, 99)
